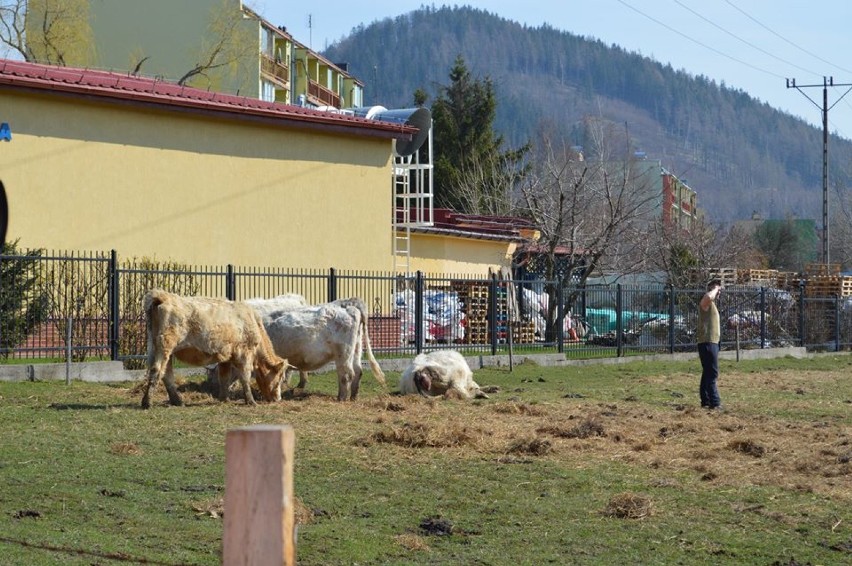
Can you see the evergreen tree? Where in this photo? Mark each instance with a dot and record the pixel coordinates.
(22, 305)
(473, 173)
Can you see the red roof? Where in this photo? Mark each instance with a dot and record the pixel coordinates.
(123, 87)
(448, 222)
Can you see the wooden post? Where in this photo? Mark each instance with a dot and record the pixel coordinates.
(259, 518)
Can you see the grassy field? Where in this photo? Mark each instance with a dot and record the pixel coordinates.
(593, 465)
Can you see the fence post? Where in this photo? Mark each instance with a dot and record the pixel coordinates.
(112, 297)
(332, 285)
(762, 318)
(259, 522)
(418, 312)
(671, 318)
(619, 323)
(230, 284)
(492, 313)
(836, 323)
(802, 313)
(560, 318)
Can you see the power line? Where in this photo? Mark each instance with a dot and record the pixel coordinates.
(773, 32)
(704, 45)
(753, 46)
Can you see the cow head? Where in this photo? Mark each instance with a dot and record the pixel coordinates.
(423, 378)
(268, 376)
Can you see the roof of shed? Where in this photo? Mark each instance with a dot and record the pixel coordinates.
(447, 222)
(114, 87)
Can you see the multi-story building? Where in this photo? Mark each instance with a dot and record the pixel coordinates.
(675, 199)
(216, 45)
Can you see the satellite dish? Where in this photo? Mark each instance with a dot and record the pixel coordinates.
(419, 118)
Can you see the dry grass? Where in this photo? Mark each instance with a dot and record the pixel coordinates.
(737, 448)
(629, 506)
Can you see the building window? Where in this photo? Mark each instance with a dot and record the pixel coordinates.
(267, 91)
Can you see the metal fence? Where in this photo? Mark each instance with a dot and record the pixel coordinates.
(88, 306)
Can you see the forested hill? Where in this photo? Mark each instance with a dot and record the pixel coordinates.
(740, 154)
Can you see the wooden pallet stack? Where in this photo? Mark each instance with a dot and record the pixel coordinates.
(523, 331)
(700, 277)
(757, 277)
(824, 280)
(474, 297)
(788, 281)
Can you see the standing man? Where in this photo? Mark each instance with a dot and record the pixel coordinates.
(709, 335)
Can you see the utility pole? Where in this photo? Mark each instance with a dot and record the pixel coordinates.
(826, 82)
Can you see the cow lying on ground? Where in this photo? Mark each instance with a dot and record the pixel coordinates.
(199, 331)
(310, 337)
(442, 372)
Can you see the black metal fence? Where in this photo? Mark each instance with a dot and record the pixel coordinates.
(88, 306)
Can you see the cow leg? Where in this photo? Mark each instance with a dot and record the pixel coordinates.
(344, 383)
(303, 380)
(169, 379)
(356, 380)
(223, 370)
(244, 372)
(159, 357)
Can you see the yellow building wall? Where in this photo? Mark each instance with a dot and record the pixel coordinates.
(87, 176)
(438, 254)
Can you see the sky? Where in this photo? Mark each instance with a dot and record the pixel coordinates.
(749, 45)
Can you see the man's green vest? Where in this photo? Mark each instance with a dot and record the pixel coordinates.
(708, 325)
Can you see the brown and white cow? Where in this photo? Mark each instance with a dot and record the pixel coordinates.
(200, 331)
(440, 373)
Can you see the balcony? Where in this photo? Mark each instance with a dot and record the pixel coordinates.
(323, 95)
(275, 69)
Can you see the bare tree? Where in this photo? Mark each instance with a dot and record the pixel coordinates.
(591, 214)
(228, 44)
(701, 248)
(485, 185)
(45, 31)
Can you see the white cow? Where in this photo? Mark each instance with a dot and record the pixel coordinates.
(310, 337)
(270, 309)
(442, 372)
(199, 331)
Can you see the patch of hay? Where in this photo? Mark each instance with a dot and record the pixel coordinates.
(586, 429)
(419, 435)
(533, 446)
(748, 447)
(128, 448)
(302, 514)
(214, 508)
(518, 408)
(629, 506)
(412, 542)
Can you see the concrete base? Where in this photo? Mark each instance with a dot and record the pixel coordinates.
(114, 371)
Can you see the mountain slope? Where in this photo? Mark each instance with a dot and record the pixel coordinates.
(740, 154)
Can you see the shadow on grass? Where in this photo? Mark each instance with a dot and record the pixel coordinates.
(118, 556)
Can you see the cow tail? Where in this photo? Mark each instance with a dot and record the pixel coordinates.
(152, 299)
(374, 365)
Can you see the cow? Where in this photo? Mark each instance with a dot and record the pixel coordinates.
(310, 337)
(270, 309)
(199, 331)
(442, 372)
